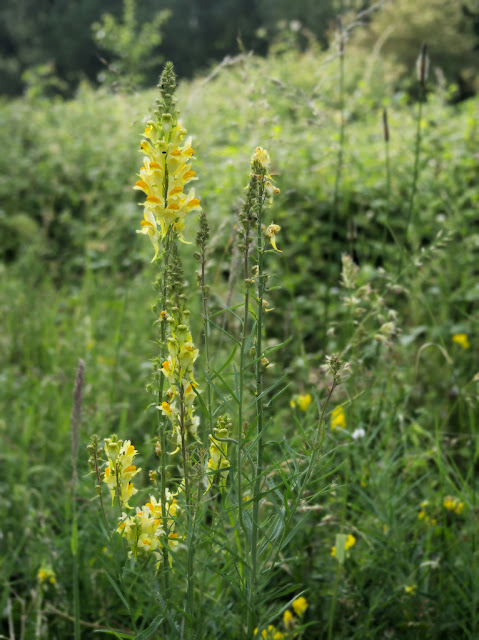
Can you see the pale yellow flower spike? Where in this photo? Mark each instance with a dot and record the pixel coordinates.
(163, 177)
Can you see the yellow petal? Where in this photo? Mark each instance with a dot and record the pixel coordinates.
(273, 244)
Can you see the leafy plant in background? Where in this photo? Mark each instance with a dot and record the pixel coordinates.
(131, 45)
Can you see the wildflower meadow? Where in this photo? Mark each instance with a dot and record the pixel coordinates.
(239, 350)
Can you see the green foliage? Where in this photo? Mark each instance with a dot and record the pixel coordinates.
(446, 27)
(132, 45)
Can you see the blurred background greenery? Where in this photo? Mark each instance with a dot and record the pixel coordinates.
(60, 43)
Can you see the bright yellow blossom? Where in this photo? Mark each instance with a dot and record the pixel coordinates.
(338, 418)
(453, 504)
(145, 531)
(350, 542)
(46, 574)
(270, 633)
(300, 605)
(410, 589)
(462, 340)
(164, 178)
(301, 401)
(288, 620)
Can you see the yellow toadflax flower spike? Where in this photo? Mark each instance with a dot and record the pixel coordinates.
(166, 170)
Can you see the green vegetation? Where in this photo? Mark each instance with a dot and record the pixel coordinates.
(67, 41)
(398, 445)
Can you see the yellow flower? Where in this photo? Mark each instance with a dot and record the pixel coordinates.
(462, 340)
(338, 418)
(148, 227)
(164, 175)
(453, 504)
(288, 620)
(350, 542)
(270, 633)
(166, 408)
(300, 605)
(46, 574)
(304, 401)
(410, 589)
(120, 470)
(261, 156)
(301, 401)
(343, 543)
(270, 233)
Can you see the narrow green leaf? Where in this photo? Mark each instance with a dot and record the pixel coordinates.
(117, 589)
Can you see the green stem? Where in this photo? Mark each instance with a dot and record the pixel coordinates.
(318, 438)
(76, 586)
(118, 490)
(388, 181)
(410, 219)
(99, 491)
(161, 418)
(253, 584)
(189, 520)
(206, 325)
(241, 384)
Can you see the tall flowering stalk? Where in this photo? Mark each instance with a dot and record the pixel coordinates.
(164, 176)
(258, 193)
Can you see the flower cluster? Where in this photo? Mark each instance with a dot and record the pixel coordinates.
(424, 516)
(166, 170)
(146, 530)
(462, 340)
(270, 633)
(453, 504)
(120, 470)
(178, 370)
(46, 574)
(218, 461)
(336, 368)
(260, 163)
(300, 606)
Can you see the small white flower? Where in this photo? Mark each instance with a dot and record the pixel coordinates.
(358, 433)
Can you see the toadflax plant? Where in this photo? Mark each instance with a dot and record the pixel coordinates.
(164, 179)
(224, 499)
